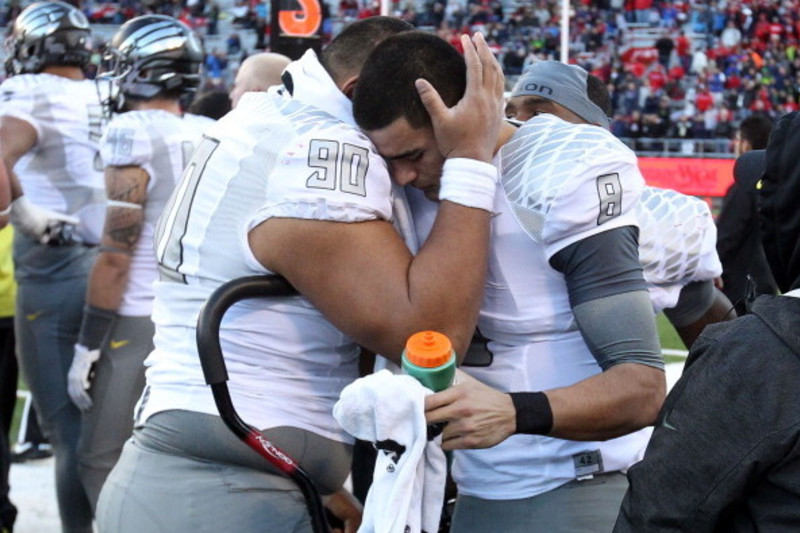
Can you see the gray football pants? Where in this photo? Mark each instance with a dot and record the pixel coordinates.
(185, 472)
(589, 506)
(46, 325)
(117, 385)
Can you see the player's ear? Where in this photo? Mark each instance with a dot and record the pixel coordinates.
(348, 86)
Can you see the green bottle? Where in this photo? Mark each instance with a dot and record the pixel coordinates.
(430, 358)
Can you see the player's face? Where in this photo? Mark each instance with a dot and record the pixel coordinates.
(412, 154)
(524, 108)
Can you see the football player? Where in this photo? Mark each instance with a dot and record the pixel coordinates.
(50, 125)
(566, 307)
(286, 183)
(153, 62)
(677, 234)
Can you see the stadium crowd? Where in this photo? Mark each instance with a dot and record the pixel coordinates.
(681, 69)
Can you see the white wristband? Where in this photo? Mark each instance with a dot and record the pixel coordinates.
(469, 182)
(5, 212)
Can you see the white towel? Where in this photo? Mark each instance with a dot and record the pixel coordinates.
(407, 489)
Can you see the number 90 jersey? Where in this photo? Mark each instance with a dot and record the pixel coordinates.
(274, 155)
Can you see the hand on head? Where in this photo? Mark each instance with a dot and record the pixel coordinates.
(470, 128)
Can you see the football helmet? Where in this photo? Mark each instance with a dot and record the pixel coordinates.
(151, 55)
(47, 33)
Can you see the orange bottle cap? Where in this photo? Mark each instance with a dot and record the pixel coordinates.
(428, 349)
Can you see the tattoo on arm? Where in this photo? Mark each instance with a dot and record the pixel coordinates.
(126, 188)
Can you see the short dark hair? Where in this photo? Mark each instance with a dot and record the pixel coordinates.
(345, 55)
(385, 90)
(211, 104)
(597, 92)
(755, 129)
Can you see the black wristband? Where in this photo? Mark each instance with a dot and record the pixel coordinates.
(534, 416)
(96, 324)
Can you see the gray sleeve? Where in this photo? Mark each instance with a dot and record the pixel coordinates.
(695, 299)
(609, 298)
(601, 265)
(620, 329)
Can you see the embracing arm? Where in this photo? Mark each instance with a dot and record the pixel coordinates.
(364, 279)
(362, 276)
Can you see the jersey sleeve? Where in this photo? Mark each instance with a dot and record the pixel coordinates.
(597, 189)
(19, 96)
(332, 176)
(677, 243)
(126, 142)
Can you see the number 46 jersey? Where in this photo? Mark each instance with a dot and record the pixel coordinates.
(160, 143)
(275, 155)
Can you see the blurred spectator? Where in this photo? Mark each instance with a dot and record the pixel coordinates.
(258, 72)
(745, 273)
(731, 35)
(664, 45)
(212, 104)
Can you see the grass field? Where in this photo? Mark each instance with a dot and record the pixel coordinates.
(669, 339)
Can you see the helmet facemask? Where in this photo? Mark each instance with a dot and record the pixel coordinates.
(150, 56)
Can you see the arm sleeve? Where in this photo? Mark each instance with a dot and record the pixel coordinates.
(609, 299)
(695, 299)
(604, 264)
(620, 329)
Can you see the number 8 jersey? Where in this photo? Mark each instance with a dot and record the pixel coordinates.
(562, 183)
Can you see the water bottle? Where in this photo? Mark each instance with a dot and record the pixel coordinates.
(430, 358)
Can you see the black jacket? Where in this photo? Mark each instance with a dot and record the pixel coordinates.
(738, 235)
(725, 454)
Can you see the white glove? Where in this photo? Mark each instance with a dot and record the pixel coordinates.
(80, 376)
(48, 227)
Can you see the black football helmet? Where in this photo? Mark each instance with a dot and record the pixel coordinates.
(151, 55)
(47, 33)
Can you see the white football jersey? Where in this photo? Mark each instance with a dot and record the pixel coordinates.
(272, 156)
(677, 244)
(561, 183)
(161, 143)
(63, 172)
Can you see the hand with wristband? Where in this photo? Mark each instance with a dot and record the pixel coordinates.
(467, 132)
(479, 416)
